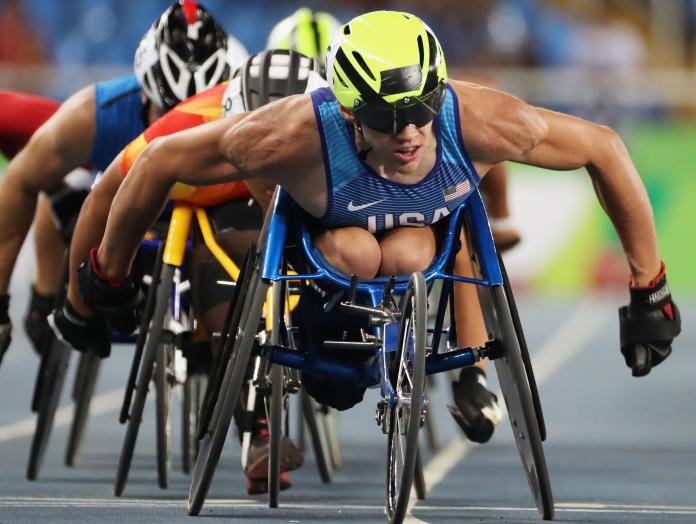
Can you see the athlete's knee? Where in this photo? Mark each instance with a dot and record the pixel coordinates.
(351, 250)
(407, 250)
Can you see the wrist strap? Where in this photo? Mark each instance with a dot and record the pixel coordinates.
(100, 275)
(653, 297)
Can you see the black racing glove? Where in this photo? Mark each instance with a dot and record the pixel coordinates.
(35, 321)
(5, 325)
(648, 325)
(110, 299)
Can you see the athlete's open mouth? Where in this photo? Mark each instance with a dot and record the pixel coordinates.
(407, 154)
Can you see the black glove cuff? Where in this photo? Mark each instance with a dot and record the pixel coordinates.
(41, 303)
(104, 295)
(653, 297)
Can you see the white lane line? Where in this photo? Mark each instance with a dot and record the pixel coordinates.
(567, 507)
(583, 323)
(101, 404)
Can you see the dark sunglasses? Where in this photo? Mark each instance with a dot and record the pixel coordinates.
(392, 118)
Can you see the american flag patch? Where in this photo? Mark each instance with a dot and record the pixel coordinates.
(454, 192)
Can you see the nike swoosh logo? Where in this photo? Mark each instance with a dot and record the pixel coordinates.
(353, 207)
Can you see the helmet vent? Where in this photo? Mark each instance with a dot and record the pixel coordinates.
(346, 29)
(340, 79)
(421, 52)
(361, 62)
(174, 68)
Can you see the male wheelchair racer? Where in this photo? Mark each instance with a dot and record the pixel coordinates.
(393, 343)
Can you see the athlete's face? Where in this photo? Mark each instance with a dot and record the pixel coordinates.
(404, 150)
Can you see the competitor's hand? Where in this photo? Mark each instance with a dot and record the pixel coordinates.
(648, 325)
(5, 325)
(114, 300)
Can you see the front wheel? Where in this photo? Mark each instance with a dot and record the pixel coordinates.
(407, 378)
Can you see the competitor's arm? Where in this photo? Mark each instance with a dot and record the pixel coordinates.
(278, 143)
(502, 127)
(195, 156)
(572, 143)
(63, 143)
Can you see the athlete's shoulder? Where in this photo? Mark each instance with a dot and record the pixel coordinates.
(207, 104)
(279, 135)
(496, 125)
(119, 85)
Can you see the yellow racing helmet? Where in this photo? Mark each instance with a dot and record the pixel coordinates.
(307, 32)
(387, 67)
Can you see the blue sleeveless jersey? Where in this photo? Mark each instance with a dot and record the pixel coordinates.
(358, 196)
(118, 118)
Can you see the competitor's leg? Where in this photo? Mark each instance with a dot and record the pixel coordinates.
(351, 250)
(406, 250)
(476, 409)
(495, 190)
(51, 248)
(50, 253)
(75, 322)
(237, 225)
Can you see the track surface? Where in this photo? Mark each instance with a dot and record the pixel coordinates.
(619, 449)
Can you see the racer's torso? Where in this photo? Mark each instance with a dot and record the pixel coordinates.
(199, 109)
(20, 116)
(118, 118)
(360, 197)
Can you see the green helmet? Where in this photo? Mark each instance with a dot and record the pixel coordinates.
(306, 32)
(388, 68)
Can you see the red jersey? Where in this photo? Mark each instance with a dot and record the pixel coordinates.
(199, 109)
(20, 116)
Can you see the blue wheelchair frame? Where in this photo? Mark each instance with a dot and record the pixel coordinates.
(371, 292)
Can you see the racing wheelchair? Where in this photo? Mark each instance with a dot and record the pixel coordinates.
(397, 349)
(164, 326)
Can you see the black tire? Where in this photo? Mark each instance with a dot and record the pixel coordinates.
(234, 314)
(52, 386)
(409, 382)
(152, 342)
(163, 398)
(211, 445)
(516, 390)
(85, 384)
(78, 383)
(431, 432)
(148, 310)
(524, 350)
(275, 430)
(327, 419)
(193, 390)
(317, 434)
(419, 478)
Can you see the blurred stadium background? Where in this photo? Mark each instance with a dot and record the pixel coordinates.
(627, 63)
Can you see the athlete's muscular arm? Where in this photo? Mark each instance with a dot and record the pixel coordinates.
(278, 143)
(571, 143)
(513, 130)
(63, 143)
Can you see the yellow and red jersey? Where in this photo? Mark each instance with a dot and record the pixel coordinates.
(199, 109)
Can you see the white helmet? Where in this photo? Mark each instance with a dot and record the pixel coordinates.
(269, 76)
(183, 53)
(236, 52)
